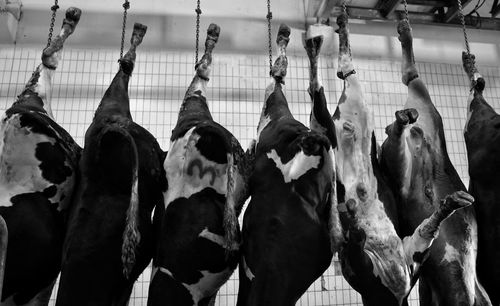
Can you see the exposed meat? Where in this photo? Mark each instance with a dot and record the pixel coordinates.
(421, 175)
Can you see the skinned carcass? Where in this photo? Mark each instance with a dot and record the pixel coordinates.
(482, 139)
(290, 228)
(375, 261)
(415, 158)
(198, 246)
(110, 238)
(39, 162)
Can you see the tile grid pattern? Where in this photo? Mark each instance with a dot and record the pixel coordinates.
(235, 97)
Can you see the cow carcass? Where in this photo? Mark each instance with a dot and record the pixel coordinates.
(110, 237)
(482, 139)
(290, 228)
(375, 261)
(198, 242)
(39, 162)
(415, 158)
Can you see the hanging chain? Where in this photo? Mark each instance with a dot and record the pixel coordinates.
(406, 10)
(269, 16)
(462, 19)
(344, 9)
(198, 13)
(126, 6)
(52, 21)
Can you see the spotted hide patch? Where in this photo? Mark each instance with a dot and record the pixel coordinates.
(30, 162)
(189, 171)
(297, 166)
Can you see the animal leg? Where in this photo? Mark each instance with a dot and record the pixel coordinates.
(345, 60)
(476, 79)
(204, 66)
(40, 83)
(408, 69)
(416, 246)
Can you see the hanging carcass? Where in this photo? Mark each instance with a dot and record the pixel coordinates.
(482, 139)
(415, 158)
(374, 260)
(110, 235)
(198, 242)
(290, 228)
(39, 162)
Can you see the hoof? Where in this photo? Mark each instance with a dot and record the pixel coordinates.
(412, 115)
(138, 33)
(352, 207)
(342, 20)
(283, 35)
(213, 32)
(404, 31)
(348, 129)
(313, 46)
(458, 199)
(312, 144)
(402, 117)
(73, 15)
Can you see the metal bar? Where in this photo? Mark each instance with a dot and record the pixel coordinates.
(3, 251)
(453, 10)
(387, 7)
(420, 18)
(432, 3)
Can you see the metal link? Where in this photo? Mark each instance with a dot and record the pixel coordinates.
(52, 21)
(126, 6)
(344, 9)
(464, 28)
(406, 10)
(269, 16)
(198, 13)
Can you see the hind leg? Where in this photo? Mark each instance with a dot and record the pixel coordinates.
(195, 97)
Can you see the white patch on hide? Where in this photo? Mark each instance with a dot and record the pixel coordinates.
(406, 184)
(208, 284)
(44, 88)
(19, 168)
(247, 270)
(295, 168)
(217, 239)
(450, 254)
(182, 153)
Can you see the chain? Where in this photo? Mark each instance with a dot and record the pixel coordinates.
(462, 19)
(126, 6)
(344, 9)
(52, 21)
(198, 13)
(406, 9)
(269, 16)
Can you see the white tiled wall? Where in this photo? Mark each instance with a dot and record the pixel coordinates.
(235, 97)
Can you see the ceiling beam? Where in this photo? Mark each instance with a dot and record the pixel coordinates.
(422, 18)
(453, 10)
(387, 7)
(432, 3)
